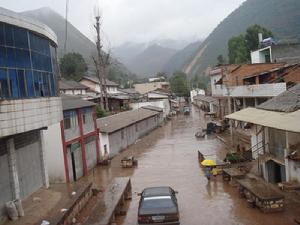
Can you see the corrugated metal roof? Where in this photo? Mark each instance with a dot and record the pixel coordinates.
(153, 108)
(288, 101)
(118, 121)
(278, 120)
(205, 98)
(95, 79)
(73, 102)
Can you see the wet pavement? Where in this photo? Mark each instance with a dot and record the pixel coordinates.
(168, 156)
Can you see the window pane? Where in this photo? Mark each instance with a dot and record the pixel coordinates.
(29, 83)
(9, 35)
(36, 78)
(46, 84)
(13, 83)
(3, 57)
(21, 82)
(52, 85)
(2, 34)
(39, 44)
(4, 91)
(20, 38)
(36, 60)
(11, 59)
(22, 58)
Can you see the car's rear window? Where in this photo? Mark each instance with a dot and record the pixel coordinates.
(157, 202)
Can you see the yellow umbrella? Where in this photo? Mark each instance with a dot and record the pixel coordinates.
(208, 162)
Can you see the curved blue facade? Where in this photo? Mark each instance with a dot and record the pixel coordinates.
(28, 64)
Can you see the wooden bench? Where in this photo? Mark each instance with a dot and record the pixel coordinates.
(261, 194)
(111, 202)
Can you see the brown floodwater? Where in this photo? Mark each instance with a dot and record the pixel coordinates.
(168, 156)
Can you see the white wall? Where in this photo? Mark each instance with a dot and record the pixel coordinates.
(164, 104)
(54, 153)
(196, 92)
(216, 89)
(259, 56)
(103, 140)
(293, 166)
(18, 116)
(257, 146)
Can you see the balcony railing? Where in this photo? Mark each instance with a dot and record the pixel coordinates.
(258, 90)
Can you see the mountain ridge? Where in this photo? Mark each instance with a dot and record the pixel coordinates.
(281, 17)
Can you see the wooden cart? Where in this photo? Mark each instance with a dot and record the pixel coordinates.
(129, 162)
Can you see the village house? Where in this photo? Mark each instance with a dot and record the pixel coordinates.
(286, 52)
(275, 135)
(239, 86)
(93, 83)
(151, 86)
(29, 104)
(71, 87)
(156, 98)
(207, 103)
(196, 92)
(72, 146)
(119, 131)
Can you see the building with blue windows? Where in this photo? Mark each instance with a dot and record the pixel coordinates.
(29, 103)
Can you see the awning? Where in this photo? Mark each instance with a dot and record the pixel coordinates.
(277, 120)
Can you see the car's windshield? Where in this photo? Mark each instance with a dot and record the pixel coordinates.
(157, 202)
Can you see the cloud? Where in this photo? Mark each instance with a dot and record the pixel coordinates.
(140, 20)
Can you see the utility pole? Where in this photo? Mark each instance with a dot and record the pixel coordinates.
(66, 27)
(102, 62)
(98, 61)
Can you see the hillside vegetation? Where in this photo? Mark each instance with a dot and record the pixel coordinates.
(280, 17)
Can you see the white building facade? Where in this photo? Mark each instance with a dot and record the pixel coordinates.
(29, 104)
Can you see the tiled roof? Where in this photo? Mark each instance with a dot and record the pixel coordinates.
(118, 121)
(73, 102)
(95, 79)
(70, 85)
(288, 101)
(205, 98)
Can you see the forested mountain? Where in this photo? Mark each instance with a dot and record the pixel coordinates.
(181, 58)
(76, 41)
(151, 61)
(280, 16)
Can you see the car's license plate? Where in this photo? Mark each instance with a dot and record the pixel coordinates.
(158, 218)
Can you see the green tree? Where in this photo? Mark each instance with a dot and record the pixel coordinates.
(237, 50)
(251, 36)
(221, 60)
(72, 66)
(100, 112)
(240, 47)
(179, 84)
(200, 81)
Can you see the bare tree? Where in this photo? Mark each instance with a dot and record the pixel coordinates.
(103, 60)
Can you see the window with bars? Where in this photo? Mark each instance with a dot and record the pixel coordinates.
(70, 119)
(87, 115)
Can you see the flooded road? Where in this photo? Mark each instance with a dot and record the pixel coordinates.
(168, 156)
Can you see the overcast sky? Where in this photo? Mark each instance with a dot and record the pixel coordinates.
(139, 20)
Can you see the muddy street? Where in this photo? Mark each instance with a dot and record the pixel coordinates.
(168, 156)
